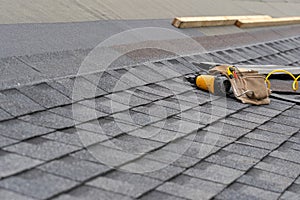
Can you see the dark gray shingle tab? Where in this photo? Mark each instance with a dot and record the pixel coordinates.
(4, 115)
(11, 163)
(279, 166)
(159, 195)
(267, 136)
(246, 150)
(266, 180)
(125, 183)
(6, 194)
(77, 137)
(241, 191)
(87, 192)
(17, 104)
(191, 188)
(42, 149)
(74, 169)
(20, 130)
(215, 173)
(45, 95)
(49, 119)
(37, 184)
(279, 128)
(232, 160)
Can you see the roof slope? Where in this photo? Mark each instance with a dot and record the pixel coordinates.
(203, 146)
(72, 11)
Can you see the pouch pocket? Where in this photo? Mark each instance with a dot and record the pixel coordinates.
(256, 86)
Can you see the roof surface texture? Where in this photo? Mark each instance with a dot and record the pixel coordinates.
(35, 11)
(155, 136)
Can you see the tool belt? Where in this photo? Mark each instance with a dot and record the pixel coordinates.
(247, 85)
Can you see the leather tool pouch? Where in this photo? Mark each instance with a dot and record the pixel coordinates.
(249, 86)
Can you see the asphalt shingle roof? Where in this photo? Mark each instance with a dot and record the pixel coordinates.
(209, 147)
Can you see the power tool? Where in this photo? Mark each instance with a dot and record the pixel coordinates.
(215, 84)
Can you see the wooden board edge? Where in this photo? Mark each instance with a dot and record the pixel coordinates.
(267, 22)
(196, 22)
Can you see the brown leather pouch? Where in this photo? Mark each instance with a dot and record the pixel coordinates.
(249, 86)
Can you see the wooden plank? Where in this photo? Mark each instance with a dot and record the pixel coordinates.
(194, 22)
(250, 23)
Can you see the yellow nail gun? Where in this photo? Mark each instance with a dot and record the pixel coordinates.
(217, 85)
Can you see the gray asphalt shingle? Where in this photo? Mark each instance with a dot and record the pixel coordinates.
(107, 126)
(232, 160)
(257, 143)
(177, 66)
(125, 183)
(15, 73)
(77, 137)
(16, 103)
(213, 172)
(191, 188)
(49, 119)
(111, 156)
(41, 148)
(12, 163)
(290, 195)
(156, 134)
(78, 112)
(267, 136)
(240, 191)
(6, 194)
(156, 110)
(240, 123)
(266, 180)
(158, 137)
(104, 105)
(75, 169)
(227, 129)
(287, 154)
(136, 118)
(198, 117)
(91, 193)
(247, 150)
(263, 111)
(146, 95)
(174, 86)
(279, 128)
(130, 143)
(177, 124)
(164, 70)
(159, 195)
(251, 117)
(54, 63)
(127, 77)
(146, 74)
(291, 121)
(279, 166)
(172, 158)
(127, 98)
(4, 115)
(211, 138)
(106, 82)
(77, 88)
(37, 184)
(153, 169)
(176, 104)
(5, 141)
(45, 95)
(20, 130)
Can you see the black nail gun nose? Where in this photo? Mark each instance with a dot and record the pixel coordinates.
(217, 85)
